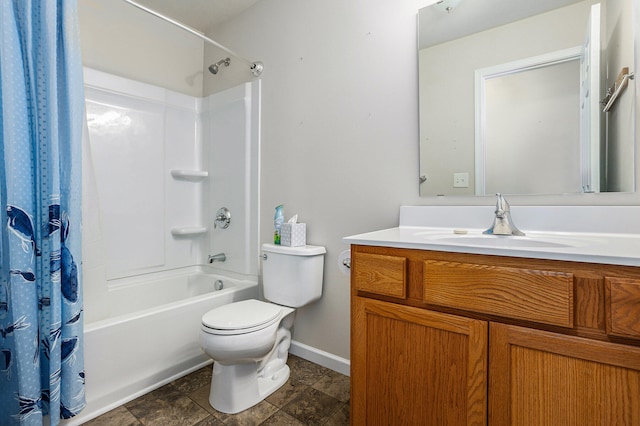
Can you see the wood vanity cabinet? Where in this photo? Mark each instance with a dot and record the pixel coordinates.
(458, 339)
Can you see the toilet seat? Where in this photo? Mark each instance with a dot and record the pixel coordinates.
(241, 317)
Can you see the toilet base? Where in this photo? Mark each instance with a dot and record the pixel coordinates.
(241, 385)
(235, 388)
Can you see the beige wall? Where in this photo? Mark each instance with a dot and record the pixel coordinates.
(339, 128)
(120, 39)
(620, 147)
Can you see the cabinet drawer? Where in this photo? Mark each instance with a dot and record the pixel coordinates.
(623, 306)
(380, 274)
(529, 294)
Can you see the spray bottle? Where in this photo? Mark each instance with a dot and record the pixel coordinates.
(278, 220)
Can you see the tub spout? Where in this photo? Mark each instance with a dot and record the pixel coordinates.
(220, 257)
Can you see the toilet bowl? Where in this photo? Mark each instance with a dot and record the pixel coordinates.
(250, 353)
(249, 340)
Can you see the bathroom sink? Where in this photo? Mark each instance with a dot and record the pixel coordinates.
(498, 241)
(598, 234)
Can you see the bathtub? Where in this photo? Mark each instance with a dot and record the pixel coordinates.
(151, 335)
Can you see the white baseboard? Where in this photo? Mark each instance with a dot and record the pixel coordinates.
(320, 357)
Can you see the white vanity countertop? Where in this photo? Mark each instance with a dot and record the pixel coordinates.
(557, 233)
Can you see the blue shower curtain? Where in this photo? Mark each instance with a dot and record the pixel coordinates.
(41, 113)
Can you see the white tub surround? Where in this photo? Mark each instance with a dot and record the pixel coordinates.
(157, 165)
(597, 234)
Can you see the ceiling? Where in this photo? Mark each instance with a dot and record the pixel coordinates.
(201, 15)
(467, 17)
(471, 16)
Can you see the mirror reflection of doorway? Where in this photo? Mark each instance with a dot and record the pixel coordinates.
(528, 125)
(533, 115)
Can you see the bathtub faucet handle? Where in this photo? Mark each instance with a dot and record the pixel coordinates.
(220, 257)
(223, 218)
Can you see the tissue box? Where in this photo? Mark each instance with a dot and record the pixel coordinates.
(293, 234)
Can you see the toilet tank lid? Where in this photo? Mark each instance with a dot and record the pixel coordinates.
(294, 251)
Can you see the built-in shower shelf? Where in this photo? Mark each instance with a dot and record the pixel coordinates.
(192, 175)
(188, 231)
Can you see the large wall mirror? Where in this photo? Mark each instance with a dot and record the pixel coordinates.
(513, 96)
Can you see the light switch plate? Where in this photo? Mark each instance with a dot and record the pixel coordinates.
(461, 180)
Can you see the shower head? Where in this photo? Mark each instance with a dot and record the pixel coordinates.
(213, 68)
(257, 68)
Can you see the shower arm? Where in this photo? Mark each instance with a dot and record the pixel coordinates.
(256, 67)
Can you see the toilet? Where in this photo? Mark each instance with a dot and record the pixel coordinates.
(249, 340)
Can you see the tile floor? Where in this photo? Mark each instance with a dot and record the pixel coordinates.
(314, 395)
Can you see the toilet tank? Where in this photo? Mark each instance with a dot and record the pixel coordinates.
(292, 276)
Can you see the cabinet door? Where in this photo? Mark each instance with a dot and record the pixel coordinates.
(411, 366)
(543, 378)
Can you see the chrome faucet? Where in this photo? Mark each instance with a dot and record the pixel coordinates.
(502, 223)
(220, 257)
